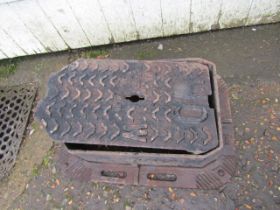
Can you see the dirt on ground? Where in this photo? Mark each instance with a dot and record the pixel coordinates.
(247, 59)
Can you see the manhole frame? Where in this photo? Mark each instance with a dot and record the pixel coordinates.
(181, 159)
(203, 171)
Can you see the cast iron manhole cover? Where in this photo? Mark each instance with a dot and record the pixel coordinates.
(15, 106)
(163, 123)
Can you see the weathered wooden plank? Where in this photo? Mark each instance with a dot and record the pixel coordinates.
(264, 11)
(9, 46)
(148, 18)
(233, 13)
(38, 24)
(92, 20)
(119, 18)
(18, 31)
(7, 1)
(204, 15)
(176, 16)
(61, 16)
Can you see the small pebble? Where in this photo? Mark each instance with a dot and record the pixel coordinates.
(48, 197)
(53, 170)
(160, 47)
(31, 131)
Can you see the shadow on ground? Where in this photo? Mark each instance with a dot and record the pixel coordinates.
(249, 62)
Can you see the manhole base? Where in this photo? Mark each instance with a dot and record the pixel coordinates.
(212, 176)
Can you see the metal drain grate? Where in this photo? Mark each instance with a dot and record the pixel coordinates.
(15, 106)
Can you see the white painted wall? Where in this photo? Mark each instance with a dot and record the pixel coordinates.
(39, 26)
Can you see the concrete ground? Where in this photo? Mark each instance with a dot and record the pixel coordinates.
(248, 60)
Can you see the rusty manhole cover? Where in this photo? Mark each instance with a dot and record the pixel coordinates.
(157, 123)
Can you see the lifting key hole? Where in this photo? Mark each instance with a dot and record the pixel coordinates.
(114, 174)
(134, 98)
(162, 177)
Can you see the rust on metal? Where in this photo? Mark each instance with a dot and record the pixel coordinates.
(156, 123)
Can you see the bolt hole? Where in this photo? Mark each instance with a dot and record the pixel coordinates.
(134, 98)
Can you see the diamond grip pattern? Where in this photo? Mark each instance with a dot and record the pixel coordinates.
(90, 101)
(15, 106)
